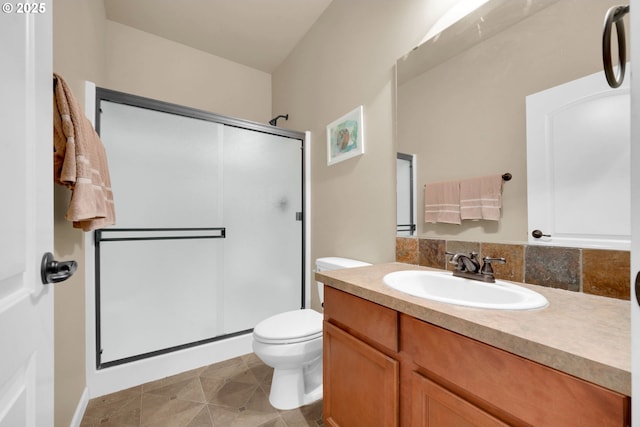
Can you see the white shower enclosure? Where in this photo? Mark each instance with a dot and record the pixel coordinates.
(209, 234)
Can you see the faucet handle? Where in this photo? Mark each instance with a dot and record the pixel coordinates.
(465, 262)
(486, 266)
(454, 257)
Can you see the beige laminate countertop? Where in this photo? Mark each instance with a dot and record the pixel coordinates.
(582, 335)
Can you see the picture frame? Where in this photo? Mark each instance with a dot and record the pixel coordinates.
(345, 137)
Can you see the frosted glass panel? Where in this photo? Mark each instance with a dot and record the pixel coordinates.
(206, 241)
(157, 294)
(262, 193)
(164, 167)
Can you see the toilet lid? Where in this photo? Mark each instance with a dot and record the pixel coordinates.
(289, 327)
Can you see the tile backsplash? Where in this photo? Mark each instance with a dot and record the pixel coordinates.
(593, 271)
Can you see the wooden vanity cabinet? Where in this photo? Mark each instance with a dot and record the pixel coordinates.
(484, 385)
(432, 405)
(360, 373)
(385, 369)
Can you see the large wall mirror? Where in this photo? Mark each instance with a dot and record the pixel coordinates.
(462, 98)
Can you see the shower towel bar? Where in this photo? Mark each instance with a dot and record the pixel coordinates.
(100, 238)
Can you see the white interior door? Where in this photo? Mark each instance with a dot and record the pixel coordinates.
(26, 226)
(577, 138)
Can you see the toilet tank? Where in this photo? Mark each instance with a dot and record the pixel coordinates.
(335, 263)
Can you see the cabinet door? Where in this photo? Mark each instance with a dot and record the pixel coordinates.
(532, 393)
(434, 406)
(361, 385)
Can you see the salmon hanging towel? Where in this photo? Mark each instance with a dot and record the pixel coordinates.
(442, 202)
(80, 162)
(481, 198)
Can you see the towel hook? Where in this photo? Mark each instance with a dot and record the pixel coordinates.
(615, 16)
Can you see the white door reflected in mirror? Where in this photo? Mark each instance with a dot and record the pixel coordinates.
(578, 169)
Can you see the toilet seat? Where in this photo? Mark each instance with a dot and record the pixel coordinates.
(289, 327)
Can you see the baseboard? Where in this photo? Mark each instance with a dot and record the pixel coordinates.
(80, 409)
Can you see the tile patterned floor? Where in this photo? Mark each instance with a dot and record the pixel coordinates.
(230, 393)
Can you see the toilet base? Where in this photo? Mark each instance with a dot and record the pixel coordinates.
(282, 396)
(288, 389)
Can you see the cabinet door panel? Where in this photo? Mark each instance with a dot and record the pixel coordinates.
(362, 318)
(360, 383)
(434, 406)
(535, 394)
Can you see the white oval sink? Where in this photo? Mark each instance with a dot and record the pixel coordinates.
(444, 287)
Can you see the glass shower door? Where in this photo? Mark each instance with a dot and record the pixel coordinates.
(161, 266)
(208, 238)
(262, 201)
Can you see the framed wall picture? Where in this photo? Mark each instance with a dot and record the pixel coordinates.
(345, 137)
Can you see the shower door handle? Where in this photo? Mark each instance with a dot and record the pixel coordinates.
(52, 271)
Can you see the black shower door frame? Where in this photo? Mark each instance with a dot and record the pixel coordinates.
(177, 233)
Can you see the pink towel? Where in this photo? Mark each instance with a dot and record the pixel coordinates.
(80, 163)
(442, 202)
(481, 198)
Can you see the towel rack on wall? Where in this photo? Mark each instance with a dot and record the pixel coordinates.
(615, 17)
(505, 177)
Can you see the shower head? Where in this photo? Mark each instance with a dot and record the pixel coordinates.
(274, 121)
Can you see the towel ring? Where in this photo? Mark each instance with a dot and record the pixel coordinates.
(614, 16)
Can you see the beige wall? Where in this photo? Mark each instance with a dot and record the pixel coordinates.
(466, 117)
(347, 59)
(143, 64)
(78, 55)
(89, 47)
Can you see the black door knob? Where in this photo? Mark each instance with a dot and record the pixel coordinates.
(538, 234)
(52, 271)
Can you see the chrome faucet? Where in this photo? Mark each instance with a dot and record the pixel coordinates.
(468, 266)
(464, 262)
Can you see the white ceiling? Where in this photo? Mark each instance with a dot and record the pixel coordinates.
(256, 33)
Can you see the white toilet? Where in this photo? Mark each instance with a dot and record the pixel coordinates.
(291, 343)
